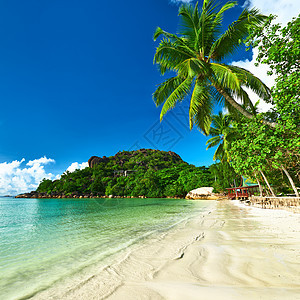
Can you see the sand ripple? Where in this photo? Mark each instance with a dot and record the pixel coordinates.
(231, 252)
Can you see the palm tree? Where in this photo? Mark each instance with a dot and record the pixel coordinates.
(196, 56)
(222, 135)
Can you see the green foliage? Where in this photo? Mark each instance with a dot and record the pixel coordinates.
(224, 176)
(196, 55)
(279, 47)
(223, 133)
(260, 148)
(249, 146)
(46, 186)
(152, 173)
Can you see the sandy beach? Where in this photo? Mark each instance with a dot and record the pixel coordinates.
(229, 252)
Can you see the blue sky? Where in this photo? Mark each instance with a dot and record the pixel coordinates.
(77, 77)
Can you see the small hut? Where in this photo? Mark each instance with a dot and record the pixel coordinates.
(242, 192)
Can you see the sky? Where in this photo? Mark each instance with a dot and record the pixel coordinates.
(76, 80)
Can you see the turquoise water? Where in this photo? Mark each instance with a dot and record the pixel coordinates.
(46, 240)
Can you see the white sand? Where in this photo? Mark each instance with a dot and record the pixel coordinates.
(233, 252)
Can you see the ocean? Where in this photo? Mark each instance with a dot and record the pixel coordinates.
(44, 241)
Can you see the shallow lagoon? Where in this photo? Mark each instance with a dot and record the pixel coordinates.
(47, 240)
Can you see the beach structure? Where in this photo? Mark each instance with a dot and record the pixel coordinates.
(287, 203)
(242, 192)
(247, 195)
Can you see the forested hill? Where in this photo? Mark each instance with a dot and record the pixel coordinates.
(148, 158)
(145, 172)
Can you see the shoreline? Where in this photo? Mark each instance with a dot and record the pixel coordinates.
(103, 273)
(34, 195)
(229, 252)
(59, 241)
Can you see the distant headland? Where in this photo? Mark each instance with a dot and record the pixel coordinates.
(141, 173)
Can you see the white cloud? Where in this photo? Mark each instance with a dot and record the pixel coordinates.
(16, 179)
(74, 166)
(41, 161)
(181, 1)
(285, 10)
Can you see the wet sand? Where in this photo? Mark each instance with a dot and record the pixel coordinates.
(229, 252)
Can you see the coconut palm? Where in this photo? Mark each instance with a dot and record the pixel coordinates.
(222, 135)
(196, 55)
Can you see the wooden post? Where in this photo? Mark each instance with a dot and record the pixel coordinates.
(236, 195)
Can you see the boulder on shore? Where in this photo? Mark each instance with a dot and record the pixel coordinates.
(202, 193)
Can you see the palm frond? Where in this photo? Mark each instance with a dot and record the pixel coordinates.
(214, 131)
(208, 28)
(219, 16)
(200, 107)
(177, 95)
(193, 67)
(253, 82)
(219, 154)
(189, 23)
(216, 96)
(177, 41)
(173, 37)
(165, 89)
(158, 32)
(195, 55)
(231, 39)
(226, 147)
(168, 55)
(232, 135)
(225, 76)
(214, 141)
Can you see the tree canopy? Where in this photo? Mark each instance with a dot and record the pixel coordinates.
(275, 152)
(149, 173)
(196, 55)
(223, 134)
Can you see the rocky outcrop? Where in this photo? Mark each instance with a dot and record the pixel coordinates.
(38, 195)
(32, 194)
(119, 157)
(95, 160)
(204, 193)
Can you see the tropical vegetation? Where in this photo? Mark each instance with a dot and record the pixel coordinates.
(149, 173)
(223, 133)
(271, 156)
(197, 57)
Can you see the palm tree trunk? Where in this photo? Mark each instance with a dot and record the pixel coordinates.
(260, 187)
(239, 108)
(267, 182)
(267, 191)
(291, 180)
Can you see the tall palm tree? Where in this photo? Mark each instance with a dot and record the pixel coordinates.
(222, 135)
(196, 55)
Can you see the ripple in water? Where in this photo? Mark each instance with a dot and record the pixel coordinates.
(46, 240)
